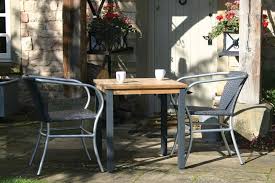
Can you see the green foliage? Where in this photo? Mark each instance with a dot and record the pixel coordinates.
(225, 26)
(269, 95)
(19, 180)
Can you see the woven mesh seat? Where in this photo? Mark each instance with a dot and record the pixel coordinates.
(70, 115)
(198, 110)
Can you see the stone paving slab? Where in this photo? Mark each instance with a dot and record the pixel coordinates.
(137, 157)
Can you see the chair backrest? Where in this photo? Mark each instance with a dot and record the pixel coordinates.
(41, 105)
(232, 90)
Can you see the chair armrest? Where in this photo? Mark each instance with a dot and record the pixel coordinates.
(51, 78)
(9, 81)
(202, 75)
(70, 82)
(207, 81)
(214, 80)
(85, 86)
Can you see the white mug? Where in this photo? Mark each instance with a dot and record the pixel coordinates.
(159, 74)
(120, 76)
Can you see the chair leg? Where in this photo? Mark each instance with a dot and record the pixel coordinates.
(221, 120)
(35, 149)
(191, 137)
(85, 147)
(235, 143)
(236, 147)
(97, 155)
(36, 145)
(175, 144)
(84, 143)
(226, 143)
(189, 147)
(45, 149)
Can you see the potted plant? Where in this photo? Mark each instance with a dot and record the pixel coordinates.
(228, 25)
(109, 30)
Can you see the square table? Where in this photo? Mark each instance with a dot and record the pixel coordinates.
(142, 86)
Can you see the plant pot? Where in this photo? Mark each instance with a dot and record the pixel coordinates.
(230, 41)
(8, 97)
(111, 40)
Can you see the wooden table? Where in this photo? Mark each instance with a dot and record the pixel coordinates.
(141, 86)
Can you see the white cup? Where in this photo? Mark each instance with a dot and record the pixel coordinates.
(120, 76)
(159, 74)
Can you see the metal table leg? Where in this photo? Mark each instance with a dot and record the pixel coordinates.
(163, 124)
(109, 130)
(181, 129)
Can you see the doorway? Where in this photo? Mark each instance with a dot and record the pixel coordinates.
(177, 44)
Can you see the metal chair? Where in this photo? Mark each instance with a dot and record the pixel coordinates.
(235, 81)
(47, 118)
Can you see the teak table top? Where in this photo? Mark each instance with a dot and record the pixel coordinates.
(134, 86)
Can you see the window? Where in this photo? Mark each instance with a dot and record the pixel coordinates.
(5, 46)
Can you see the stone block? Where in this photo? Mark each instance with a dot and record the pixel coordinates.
(251, 121)
(42, 16)
(39, 62)
(36, 26)
(25, 62)
(25, 55)
(46, 34)
(26, 43)
(45, 55)
(30, 6)
(53, 5)
(54, 25)
(24, 33)
(59, 15)
(48, 44)
(24, 17)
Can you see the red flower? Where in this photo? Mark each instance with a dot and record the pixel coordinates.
(126, 20)
(230, 15)
(110, 15)
(265, 24)
(219, 17)
(265, 16)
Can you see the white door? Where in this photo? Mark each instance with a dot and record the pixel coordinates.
(179, 46)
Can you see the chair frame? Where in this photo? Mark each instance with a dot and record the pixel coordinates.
(222, 127)
(42, 132)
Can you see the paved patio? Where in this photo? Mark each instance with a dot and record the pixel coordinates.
(137, 156)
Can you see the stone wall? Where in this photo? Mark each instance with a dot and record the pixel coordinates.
(41, 37)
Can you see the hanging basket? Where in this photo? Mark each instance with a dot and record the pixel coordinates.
(107, 36)
(108, 41)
